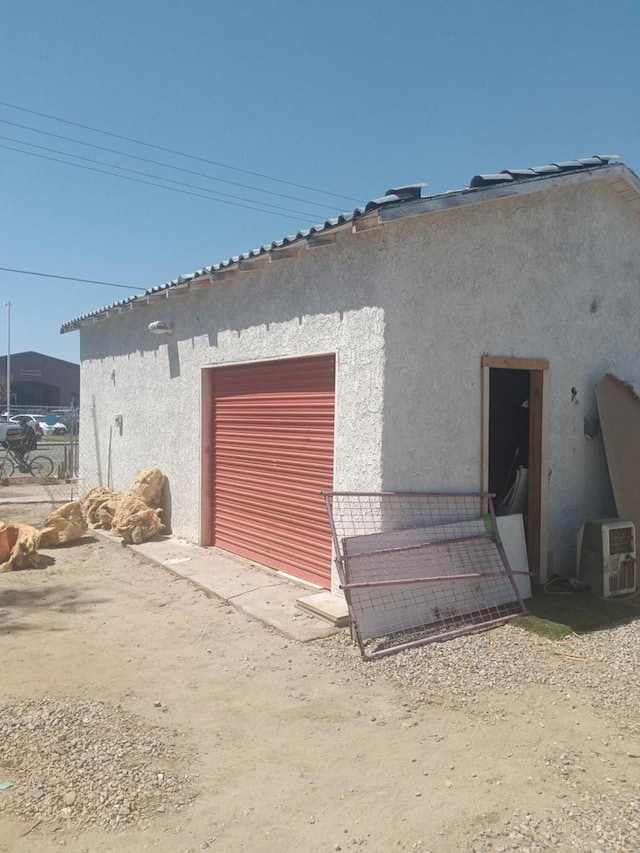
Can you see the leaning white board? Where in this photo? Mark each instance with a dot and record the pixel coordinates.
(511, 530)
(387, 610)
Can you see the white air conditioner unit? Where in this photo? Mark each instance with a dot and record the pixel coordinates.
(607, 557)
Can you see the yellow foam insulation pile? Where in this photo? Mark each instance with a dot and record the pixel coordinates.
(134, 516)
(148, 487)
(18, 547)
(99, 506)
(65, 524)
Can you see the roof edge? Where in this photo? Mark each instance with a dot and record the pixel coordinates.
(613, 174)
(390, 208)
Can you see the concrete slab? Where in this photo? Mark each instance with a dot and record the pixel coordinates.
(217, 572)
(332, 608)
(276, 606)
(255, 590)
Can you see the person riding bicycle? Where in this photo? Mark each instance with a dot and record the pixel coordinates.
(22, 442)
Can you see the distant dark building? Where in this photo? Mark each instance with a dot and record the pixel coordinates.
(40, 380)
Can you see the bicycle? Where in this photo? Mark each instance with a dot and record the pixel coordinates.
(37, 466)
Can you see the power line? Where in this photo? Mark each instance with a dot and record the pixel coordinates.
(156, 177)
(148, 183)
(71, 278)
(174, 151)
(76, 141)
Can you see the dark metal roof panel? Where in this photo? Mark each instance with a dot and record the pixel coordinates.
(507, 175)
(569, 164)
(489, 180)
(519, 173)
(548, 169)
(409, 191)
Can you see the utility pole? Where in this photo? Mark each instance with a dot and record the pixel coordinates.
(7, 305)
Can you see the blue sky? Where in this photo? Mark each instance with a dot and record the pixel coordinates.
(349, 97)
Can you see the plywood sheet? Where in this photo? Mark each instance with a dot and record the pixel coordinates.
(619, 410)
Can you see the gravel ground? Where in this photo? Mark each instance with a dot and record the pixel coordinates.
(602, 667)
(128, 691)
(591, 825)
(86, 763)
(509, 659)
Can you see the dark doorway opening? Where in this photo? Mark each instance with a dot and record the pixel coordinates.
(509, 439)
(513, 446)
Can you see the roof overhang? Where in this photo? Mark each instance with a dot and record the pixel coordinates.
(376, 213)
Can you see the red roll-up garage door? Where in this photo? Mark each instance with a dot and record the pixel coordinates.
(273, 457)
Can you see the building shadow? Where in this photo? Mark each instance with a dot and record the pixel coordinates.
(17, 606)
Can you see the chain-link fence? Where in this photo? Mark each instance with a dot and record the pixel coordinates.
(48, 471)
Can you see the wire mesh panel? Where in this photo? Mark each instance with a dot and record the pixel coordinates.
(419, 567)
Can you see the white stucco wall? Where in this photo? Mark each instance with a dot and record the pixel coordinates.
(552, 275)
(409, 309)
(302, 306)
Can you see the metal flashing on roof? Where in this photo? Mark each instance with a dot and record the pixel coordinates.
(547, 169)
(520, 173)
(389, 198)
(410, 191)
(397, 203)
(542, 171)
(487, 180)
(617, 175)
(594, 161)
(569, 164)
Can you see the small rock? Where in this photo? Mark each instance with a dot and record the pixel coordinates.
(157, 704)
(37, 794)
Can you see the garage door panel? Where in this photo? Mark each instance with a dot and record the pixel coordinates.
(307, 465)
(273, 457)
(294, 464)
(303, 540)
(263, 499)
(305, 569)
(294, 523)
(244, 452)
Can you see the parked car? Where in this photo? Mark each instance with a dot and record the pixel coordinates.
(7, 427)
(70, 419)
(42, 423)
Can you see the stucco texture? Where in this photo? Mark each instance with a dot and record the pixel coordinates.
(302, 306)
(409, 308)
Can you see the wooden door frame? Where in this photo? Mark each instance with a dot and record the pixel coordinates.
(537, 534)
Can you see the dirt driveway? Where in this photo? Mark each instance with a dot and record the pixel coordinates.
(137, 713)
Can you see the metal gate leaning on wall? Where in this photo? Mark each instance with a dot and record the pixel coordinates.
(268, 456)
